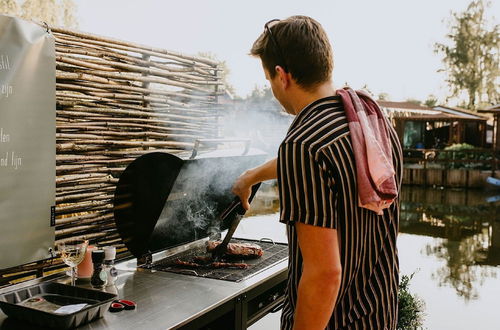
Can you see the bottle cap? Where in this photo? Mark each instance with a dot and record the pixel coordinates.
(109, 253)
(97, 256)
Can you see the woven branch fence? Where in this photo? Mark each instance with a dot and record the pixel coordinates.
(117, 100)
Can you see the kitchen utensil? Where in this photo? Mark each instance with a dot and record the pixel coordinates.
(237, 211)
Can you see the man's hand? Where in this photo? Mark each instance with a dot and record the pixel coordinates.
(243, 188)
(321, 276)
(243, 185)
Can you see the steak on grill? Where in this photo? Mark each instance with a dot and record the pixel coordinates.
(183, 263)
(246, 250)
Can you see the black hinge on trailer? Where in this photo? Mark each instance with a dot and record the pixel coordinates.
(52, 215)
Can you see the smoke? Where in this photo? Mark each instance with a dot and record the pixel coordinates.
(200, 194)
(259, 118)
(203, 188)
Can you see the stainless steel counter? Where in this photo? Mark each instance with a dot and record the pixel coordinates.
(168, 300)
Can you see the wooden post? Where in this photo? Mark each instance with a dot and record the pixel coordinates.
(145, 85)
(496, 133)
(217, 114)
(450, 132)
(496, 146)
(493, 162)
(400, 129)
(425, 172)
(484, 128)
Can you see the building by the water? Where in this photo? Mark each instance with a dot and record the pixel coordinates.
(421, 127)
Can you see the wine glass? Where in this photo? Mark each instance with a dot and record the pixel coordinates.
(72, 253)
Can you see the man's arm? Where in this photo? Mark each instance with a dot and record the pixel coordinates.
(243, 185)
(321, 276)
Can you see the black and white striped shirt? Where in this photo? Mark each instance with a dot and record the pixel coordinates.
(317, 186)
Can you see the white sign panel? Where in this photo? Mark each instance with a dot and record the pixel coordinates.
(27, 141)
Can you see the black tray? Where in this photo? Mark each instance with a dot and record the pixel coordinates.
(56, 294)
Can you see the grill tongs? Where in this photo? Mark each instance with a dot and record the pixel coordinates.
(237, 212)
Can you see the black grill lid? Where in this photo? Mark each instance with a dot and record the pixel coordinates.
(162, 200)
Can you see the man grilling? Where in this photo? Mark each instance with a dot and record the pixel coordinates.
(338, 171)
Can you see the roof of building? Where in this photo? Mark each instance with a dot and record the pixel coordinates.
(459, 111)
(402, 105)
(493, 109)
(412, 111)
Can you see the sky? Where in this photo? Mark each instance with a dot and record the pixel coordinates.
(384, 44)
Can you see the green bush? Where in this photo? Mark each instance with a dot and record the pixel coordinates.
(459, 151)
(410, 307)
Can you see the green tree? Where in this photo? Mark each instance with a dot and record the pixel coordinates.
(368, 90)
(262, 98)
(414, 101)
(471, 59)
(383, 96)
(53, 12)
(261, 93)
(9, 7)
(431, 101)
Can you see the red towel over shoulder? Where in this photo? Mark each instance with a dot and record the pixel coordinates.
(376, 182)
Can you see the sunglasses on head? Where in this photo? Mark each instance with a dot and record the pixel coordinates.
(267, 29)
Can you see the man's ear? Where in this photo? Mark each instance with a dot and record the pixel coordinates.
(284, 77)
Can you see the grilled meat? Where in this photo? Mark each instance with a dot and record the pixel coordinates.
(186, 263)
(203, 259)
(183, 263)
(229, 265)
(245, 250)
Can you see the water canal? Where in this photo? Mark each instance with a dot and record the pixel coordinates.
(449, 238)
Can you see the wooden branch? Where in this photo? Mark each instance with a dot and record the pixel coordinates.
(111, 41)
(135, 77)
(81, 206)
(77, 196)
(69, 60)
(82, 85)
(91, 132)
(89, 237)
(66, 178)
(143, 113)
(83, 76)
(78, 189)
(113, 55)
(61, 147)
(137, 153)
(102, 111)
(107, 65)
(109, 126)
(95, 217)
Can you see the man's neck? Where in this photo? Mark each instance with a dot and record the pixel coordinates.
(302, 98)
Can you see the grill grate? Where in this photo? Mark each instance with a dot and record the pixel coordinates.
(273, 254)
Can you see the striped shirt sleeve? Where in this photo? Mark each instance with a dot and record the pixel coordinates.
(307, 192)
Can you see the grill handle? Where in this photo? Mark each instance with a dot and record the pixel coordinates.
(198, 142)
(278, 307)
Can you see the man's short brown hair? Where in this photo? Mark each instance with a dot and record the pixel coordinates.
(303, 47)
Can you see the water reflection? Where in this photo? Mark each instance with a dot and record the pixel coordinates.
(266, 201)
(466, 228)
